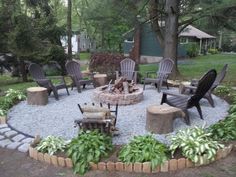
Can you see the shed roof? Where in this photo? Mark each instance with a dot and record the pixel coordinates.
(191, 31)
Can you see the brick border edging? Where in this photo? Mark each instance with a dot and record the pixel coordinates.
(170, 165)
(3, 119)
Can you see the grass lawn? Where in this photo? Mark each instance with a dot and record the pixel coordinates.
(84, 56)
(189, 68)
(195, 68)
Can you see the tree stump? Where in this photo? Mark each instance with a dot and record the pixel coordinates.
(37, 96)
(100, 80)
(160, 118)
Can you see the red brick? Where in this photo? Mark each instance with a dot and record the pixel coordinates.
(61, 161)
(47, 158)
(189, 163)
(147, 167)
(35, 154)
(41, 157)
(165, 166)
(173, 164)
(119, 166)
(156, 169)
(102, 166)
(138, 167)
(31, 151)
(181, 163)
(111, 166)
(54, 160)
(128, 167)
(69, 162)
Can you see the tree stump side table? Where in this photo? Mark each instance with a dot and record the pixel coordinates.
(160, 118)
(37, 96)
(100, 80)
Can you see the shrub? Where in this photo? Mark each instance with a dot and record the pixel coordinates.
(144, 149)
(192, 49)
(105, 63)
(195, 144)
(51, 145)
(89, 146)
(224, 130)
(10, 99)
(213, 51)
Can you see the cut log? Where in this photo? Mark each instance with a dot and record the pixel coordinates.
(100, 79)
(160, 118)
(37, 96)
(126, 87)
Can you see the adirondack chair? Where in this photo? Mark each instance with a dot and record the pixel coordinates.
(185, 102)
(39, 77)
(103, 125)
(127, 70)
(73, 70)
(165, 68)
(208, 95)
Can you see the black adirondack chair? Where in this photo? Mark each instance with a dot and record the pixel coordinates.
(220, 77)
(39, 77)
(165, 68)
(73, 70)
(127, 70)
(104, 126)
(185, 102)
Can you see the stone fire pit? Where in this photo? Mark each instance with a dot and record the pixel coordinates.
(104, 96)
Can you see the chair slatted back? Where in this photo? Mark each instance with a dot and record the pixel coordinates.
(36, 71)
(127, 67)
(220, 76)
(204, 84)
(165, 67)
(73, 68)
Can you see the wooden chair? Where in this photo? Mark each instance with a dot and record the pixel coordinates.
(39, 77)
(165, 68)
(185, 102)
(103, 125)
(220, 77)
(127, 70)
(73, 70)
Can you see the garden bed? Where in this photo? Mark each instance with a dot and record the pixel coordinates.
(106, 164)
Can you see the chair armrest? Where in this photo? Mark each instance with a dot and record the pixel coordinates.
(190, 87)
(175, 94)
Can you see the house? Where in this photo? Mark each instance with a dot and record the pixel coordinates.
(192, 34)
(80, 43)
(142, 44)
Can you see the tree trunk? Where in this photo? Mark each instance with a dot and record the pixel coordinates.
(69, 31)
(171, 33)
(23, 71)
(154, 17)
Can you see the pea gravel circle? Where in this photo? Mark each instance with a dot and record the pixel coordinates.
(57, 117)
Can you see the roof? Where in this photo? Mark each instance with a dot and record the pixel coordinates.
(191, 31)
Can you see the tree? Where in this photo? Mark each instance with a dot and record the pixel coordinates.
(69, 30)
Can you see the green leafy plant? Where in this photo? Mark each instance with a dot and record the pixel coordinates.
(89, 146)
(144, 149)
(224, 130)
(51, 145)
(195, 144)
(192, 49)
(11, 98)
(223, 90)
(213, 51)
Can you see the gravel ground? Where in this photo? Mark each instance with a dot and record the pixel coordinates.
(57, 118)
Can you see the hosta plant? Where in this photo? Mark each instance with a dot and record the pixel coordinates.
(89, 146)
(195, 144)
(51, 145)
(11, 98)
(224, 130)
(144, 149)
